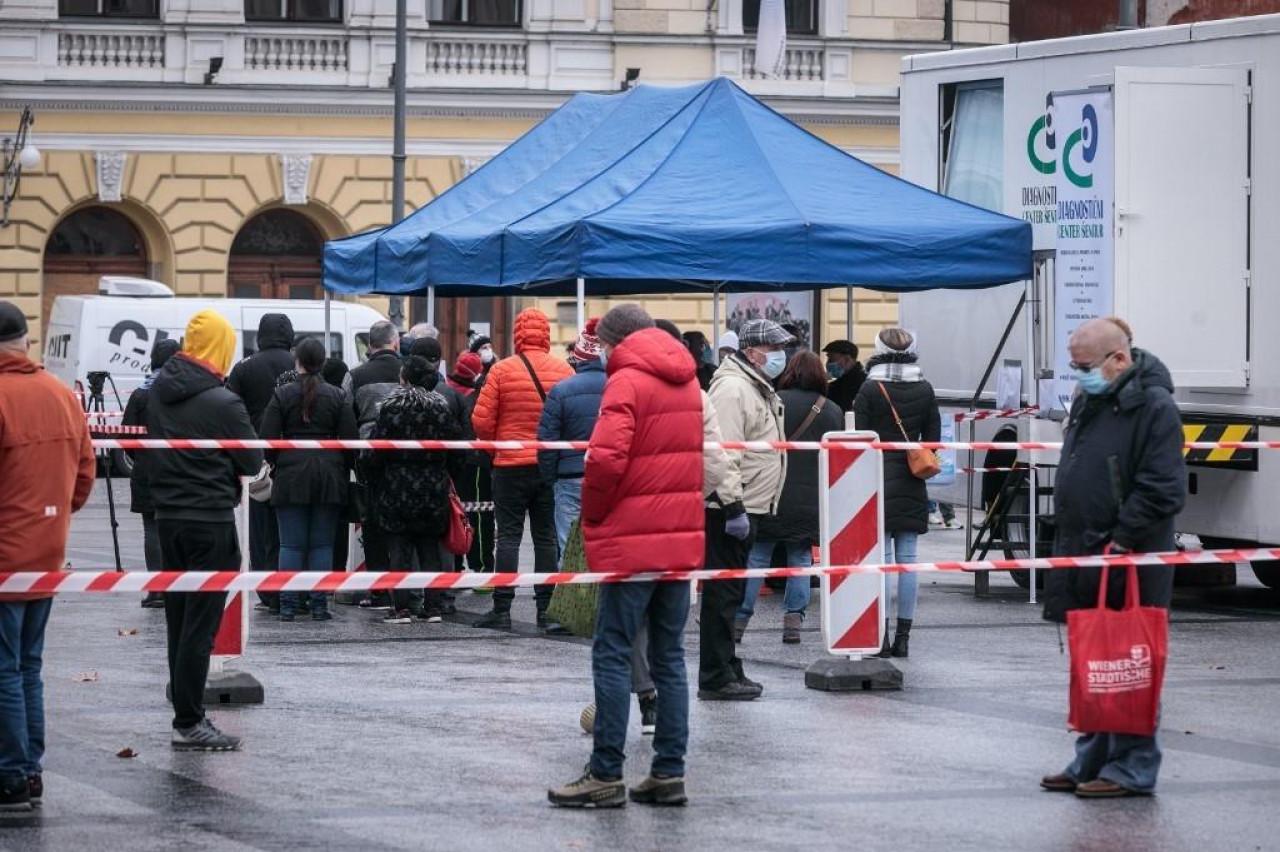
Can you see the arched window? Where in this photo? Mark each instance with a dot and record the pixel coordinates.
(86, 245)
(278, 254)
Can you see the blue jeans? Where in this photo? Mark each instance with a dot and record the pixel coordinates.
(306, 544)
(620, 610)
(1132, 762)
(568, 494)
(22, 626)
(900, 547)
(796, 597)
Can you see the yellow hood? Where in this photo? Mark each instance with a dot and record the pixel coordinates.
(211, 339)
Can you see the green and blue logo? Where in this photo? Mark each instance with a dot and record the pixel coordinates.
(1084, 138)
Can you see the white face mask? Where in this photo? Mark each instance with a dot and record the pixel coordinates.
(486, 355)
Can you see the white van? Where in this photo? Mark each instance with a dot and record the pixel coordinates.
(114, 331)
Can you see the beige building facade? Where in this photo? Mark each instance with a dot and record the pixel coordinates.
(215, 144)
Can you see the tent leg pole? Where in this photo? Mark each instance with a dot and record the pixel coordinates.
(582, 304)
(848, 312)
(431, 305)
(715, 320)
(328, 349)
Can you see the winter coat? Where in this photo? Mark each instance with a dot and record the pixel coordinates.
(47, 466)
(642, 489)
(569, 415)
(509, 406)
(715, 461)
(796, 519)
(749, 410)
(188, 401)
(408, 490)
(254, 379)
(383, 367)
(844, 390)
(135, 414)
(1122, 480)
(906, 500)
(309, 477)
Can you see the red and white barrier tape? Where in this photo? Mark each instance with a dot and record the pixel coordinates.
(1003, 414)
(103, 415)
(317, 581)
(114, 429)
(747, 446)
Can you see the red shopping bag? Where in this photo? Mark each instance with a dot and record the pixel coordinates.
(1117, 663)
(458, 539)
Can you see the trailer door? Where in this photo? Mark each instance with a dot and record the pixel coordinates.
(1182, 219)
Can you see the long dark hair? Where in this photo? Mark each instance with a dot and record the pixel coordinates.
(804, 372)
(310, 356)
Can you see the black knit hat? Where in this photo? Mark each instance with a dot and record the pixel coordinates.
(164, 349)
(13, 322)
(479, 342)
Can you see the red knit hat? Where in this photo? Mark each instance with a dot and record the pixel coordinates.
(588, 345)
(468, 366)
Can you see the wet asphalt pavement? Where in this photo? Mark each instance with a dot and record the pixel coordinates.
(380, 737)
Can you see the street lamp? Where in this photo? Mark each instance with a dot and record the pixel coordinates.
(17, 154)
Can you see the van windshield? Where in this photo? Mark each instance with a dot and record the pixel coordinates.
(335, 341)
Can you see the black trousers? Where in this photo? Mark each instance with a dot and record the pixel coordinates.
(475, 485)
(192, 618)
(411, 552)
(264, 545)
(718, 662)
(520, 491)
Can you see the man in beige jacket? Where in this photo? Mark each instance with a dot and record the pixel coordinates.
(748, 409)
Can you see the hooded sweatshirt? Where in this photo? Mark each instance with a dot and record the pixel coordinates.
(643, 481)
(509, 405)
(254, 379)
(48, 463)
(188, 401)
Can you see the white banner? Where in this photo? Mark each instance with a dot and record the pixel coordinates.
(1085, 187)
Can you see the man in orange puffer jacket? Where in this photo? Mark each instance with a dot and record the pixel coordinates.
(508, 409)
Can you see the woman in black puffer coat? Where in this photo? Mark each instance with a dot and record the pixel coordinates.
(895, 382)
(309, 487)
(409, 489)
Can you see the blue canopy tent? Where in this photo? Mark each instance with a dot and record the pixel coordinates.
(678, 189)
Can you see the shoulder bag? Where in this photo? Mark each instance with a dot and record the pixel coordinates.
(459, 536)
(924, 464)
(533, 375)
(809, 418)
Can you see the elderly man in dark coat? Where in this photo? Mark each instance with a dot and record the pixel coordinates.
(1120, 485)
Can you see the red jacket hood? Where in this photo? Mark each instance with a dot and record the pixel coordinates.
(655, 352)
(533, 331)
(14, 362)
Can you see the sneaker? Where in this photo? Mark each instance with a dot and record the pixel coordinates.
(432, 616)
(15, 795)
(375, 605)
(935, 519)
(791, 623)
(589, 792)
(732, 691)
(400, 616)
(495, 621)
(952, 524)
(648, 714)
(203, 736)
(35, 787)
(321, 615)
(153, 600)
(660, 790)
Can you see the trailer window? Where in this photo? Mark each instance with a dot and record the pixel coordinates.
(972, 143)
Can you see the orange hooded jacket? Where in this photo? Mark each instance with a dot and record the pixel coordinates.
(509, 405)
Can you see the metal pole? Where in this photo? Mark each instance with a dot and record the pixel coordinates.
(431, 304)
(328, 350)
(715, 320)
(1029, 370)
(396, 307)
(848, 312)
(582, 304)
(1128, 15)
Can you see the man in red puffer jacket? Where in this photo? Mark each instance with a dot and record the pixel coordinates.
(641, 511)
(509, 408)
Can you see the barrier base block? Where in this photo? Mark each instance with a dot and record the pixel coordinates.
(841, 674)
(232, 687)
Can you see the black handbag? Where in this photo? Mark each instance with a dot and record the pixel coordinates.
(356, 507)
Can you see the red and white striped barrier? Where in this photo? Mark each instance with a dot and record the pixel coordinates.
(851, 515)
(745, 446)
(115, 429)
(132, 582)
(1002, 414)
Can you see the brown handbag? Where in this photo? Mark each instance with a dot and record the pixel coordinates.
(924, 464)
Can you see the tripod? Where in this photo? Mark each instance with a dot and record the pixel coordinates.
(97, 404)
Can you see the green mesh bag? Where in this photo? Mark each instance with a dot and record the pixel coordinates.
(574, 605)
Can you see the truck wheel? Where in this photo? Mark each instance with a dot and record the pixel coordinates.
(1268, 573)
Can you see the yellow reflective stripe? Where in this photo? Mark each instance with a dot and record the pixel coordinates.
(1191, 433)
(1230, 433)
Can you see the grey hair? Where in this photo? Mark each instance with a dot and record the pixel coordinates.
(621, 321)
(424, 329)
(382, 334)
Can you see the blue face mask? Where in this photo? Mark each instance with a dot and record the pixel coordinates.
(774, 364)
(1092, 382)
(835, 371)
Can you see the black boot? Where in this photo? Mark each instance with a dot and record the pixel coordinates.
(902, 638)
(885, 650)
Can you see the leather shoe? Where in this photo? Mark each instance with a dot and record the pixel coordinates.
(1101, 788)
(731, 691)
(1060, 783)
